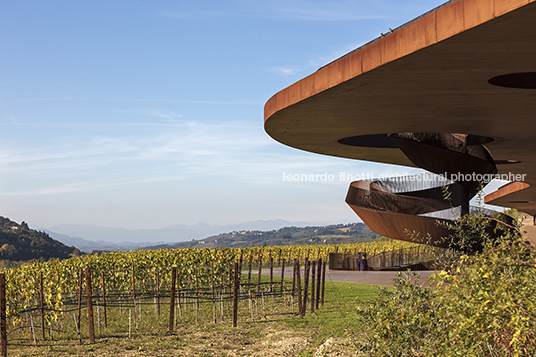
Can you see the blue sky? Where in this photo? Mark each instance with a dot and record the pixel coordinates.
(145, 114)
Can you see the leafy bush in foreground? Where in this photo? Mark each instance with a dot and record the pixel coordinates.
(484, 305)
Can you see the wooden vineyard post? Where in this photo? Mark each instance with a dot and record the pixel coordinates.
(178, 298)
(212, 291)
(249, 270)
(260, 271)
(134, 296)
(235, 296)
(104, 300)
(90, 307)
(323, 283)
(306, 284)
(3, 316)
(271, 271)
(294, 279)
(33, 330)
(41, 304)
(158, 292)
(298, 285)
(282, 275)
(79, 303)
(240, 266)
(98, 317)
(230, 268)
(318, 281)
(196, 291)
(313, 273)
(172, 300)
(290, 255)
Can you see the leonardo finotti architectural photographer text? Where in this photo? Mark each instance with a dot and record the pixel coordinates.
(347, 177)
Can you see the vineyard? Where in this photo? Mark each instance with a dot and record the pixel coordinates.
(152, 291)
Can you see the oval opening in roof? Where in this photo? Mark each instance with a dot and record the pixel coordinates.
(524, 80)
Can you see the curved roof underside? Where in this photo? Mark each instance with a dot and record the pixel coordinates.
(430, 75)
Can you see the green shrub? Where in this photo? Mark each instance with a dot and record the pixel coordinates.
(484, 305)
(398, 321)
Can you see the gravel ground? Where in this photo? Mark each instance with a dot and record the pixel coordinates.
(382, 278)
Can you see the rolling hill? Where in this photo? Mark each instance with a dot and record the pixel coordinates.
(332, 234)
(20, 243)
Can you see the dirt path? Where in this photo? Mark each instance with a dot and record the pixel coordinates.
(382, 278)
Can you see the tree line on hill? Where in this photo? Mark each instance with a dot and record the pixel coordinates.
(332, 234)
(20, 243)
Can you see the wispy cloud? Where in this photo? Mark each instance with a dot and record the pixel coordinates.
(188, 147)
(166, 114)
(9, 119)
(236, 151)
(312, 64)
(306, 10)
(284, 70)
(40, 192)
(142, 100)
(88, 186)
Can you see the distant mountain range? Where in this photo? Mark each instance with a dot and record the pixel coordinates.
(20, 243)
(88, 238)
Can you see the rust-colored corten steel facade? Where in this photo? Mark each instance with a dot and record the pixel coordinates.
(453, 91)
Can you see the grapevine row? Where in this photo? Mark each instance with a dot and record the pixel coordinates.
(61, 277)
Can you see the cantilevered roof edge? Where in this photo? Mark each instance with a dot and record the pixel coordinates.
(437, 25)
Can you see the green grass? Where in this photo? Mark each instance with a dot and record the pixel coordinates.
(337, 318)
